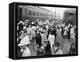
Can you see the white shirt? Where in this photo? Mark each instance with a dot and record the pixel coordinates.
(28, 30)
(72, 30)
(51, 39)
(44, 37)
(33, 28)
(33, 33)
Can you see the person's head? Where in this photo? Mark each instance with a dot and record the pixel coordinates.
(47, 42)
(58, 27)
(73, 45)
(44, 28)
(29, 25)
(57, 44)
(20, 21)
(52, 33)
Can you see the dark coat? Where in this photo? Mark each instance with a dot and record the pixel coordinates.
(38, 39)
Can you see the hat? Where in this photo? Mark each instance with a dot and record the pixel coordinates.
(24, 27)
(22, 44)
(24, 41)
(20, 21)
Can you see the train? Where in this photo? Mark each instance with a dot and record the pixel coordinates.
(70, 16)
(33, 13)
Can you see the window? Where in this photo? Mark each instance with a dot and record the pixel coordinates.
(40, 14)
(29, 13)
(25, 10)
(34, 13)
(37, 13)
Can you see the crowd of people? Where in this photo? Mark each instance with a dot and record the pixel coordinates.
(34, 39)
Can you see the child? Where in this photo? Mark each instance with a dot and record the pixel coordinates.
(57, 49)
(41, 51)
(25, 50)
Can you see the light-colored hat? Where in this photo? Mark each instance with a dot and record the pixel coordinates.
(44, 31)
(24, 41)
(24, 27)
(22, 44)
(20, 21)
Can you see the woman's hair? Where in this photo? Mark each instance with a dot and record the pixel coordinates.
(25, 31)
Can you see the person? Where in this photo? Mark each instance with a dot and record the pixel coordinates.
(19, 53)
(57, 49)
(33, 32)
(19, 28)
(47, 48)
(72, 49)
(29, 29)
(41, 50)
(62, 32)
(32, 46)
(24, 45)
(66, 45)
(59, 37)
(66, 32)
(48, 32)
(43, 36)
(54, 31)
(20, 24)
(51, 39)
(22, 35)
(25, 38)
(72, 35)
(34, 27)
(38, 39)
(26, 51)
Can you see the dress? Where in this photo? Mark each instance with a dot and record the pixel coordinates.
(59, 37)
